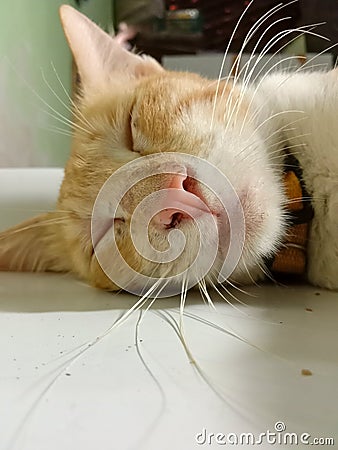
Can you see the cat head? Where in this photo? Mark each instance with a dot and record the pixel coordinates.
(133, 121)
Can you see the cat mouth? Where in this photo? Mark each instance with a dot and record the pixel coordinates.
(182, 203)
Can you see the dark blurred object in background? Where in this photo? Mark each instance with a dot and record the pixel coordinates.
(138, 12)
(314, 11)
(221, 16)
(191, 26)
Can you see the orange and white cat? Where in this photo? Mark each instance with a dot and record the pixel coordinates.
(130, 107)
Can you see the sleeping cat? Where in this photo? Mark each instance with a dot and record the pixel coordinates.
(212, 152)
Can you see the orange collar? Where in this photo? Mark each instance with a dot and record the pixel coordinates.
(291, 257)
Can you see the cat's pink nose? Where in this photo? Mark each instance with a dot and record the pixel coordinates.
(179, 203)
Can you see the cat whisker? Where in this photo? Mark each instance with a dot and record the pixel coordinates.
(225, 298)
(302, 67)
(205, 294)
(315, 66)
(280, 36)
(270, 136)
(246, 76)
(306, 29)
(211, 324)
(137, 305)
(279, 114)
(280, 154)
(255, 27)
(80, 119)
(234, 286)
(253, 281)
(58, 130)
(154, 298)
(274, 10)
(79, 113)
(296, 200)
(266, 272)
(285, 127)
(254, 116)
(275, 155)
(34, 210)
(287, 145)
(152, 376)
(247, 39)
(224, 59)
(202, 295)
(47, 222)
(308, 61)
(221, 329)
(64, 368)
(309, 199)
(183, 298)
(170, 320)
(223, 286)
(64, 120)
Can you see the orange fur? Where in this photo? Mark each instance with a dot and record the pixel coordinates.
(129, 107)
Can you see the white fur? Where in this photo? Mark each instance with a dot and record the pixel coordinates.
(314, 131)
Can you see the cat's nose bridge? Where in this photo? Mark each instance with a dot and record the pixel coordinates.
(177, 201)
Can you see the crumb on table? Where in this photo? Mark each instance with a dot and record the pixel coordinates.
(306, 372)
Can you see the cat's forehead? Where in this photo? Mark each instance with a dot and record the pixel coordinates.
(171, 88)
(174, 103)
(169, 97)
(172, 112)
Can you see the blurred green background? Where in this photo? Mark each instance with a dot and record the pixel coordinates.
(31, 43)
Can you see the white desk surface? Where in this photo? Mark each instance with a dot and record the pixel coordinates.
(149, 396)
(59, 393)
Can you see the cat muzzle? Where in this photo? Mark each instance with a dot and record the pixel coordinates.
(178, 203)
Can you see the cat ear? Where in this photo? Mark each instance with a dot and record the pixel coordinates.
(32, 246)
(97, 55)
